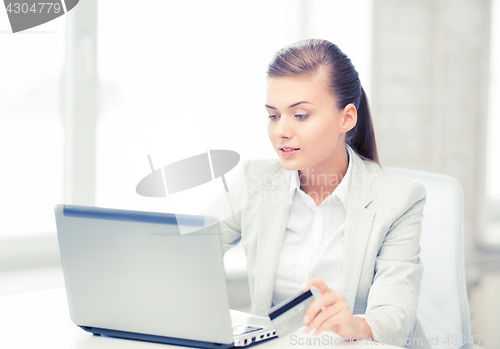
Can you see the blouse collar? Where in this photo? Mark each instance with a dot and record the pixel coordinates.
(341, 191)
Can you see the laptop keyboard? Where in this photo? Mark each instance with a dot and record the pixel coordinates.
(242, 329)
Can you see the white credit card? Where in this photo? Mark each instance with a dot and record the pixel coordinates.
(287, 316)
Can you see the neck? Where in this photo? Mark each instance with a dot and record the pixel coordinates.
(322, 178)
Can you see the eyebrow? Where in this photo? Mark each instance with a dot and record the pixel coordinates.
(293, 105)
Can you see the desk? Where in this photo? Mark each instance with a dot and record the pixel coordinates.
(36, 320)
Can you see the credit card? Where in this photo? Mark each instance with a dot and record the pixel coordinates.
(287, 316)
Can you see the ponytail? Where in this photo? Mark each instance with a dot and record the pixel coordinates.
(361, 137)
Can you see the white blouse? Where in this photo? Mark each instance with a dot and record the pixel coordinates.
(313, 244)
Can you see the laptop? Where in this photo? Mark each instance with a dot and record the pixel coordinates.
(131, 274)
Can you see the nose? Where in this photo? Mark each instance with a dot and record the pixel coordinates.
(283, 130)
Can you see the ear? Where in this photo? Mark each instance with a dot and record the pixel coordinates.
(350, 117)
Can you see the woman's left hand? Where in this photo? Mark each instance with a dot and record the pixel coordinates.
(330, 312)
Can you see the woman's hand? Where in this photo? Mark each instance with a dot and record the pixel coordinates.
(330, 312)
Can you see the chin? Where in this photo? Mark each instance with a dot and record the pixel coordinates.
(287, 165)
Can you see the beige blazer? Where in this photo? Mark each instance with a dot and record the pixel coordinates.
(381, 269)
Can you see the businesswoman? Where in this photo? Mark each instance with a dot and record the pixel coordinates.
(325, 214)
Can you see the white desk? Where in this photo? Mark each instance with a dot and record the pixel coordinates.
(41, 319)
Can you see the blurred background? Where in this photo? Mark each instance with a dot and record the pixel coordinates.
(85, 98)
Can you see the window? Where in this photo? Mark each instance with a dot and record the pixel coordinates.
(31, 130)
(190, 76)
(492, 233)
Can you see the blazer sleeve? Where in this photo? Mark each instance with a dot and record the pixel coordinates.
(226, 208)
(393, 297)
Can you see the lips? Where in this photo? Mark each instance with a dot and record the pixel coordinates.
(288, 148)
(288, 152)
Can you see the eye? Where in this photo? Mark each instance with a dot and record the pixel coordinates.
(301, 117)
(273, 117)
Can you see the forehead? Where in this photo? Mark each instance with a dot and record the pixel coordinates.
(288, 90)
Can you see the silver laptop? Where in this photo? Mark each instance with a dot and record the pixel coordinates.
(131, 274)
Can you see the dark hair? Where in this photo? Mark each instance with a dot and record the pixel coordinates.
(312, 55)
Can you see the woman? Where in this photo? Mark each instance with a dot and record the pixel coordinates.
(326, 214)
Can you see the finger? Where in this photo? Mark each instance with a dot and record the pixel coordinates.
(324, 315)
(318, 283)
(319, 303)
(340, 318)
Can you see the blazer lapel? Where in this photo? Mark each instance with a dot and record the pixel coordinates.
(358, 226)
(270, 239)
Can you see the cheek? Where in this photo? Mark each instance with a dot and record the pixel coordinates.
(322, 136)
(270, 131)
